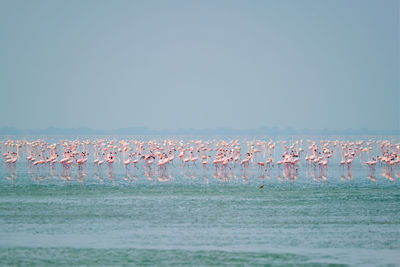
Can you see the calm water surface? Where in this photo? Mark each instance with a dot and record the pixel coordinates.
(95, 217)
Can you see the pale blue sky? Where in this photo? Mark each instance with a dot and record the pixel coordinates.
(200, 64)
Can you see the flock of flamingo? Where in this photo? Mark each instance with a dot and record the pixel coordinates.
(158, 158)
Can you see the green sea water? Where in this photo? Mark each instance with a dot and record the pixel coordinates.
(196, 224)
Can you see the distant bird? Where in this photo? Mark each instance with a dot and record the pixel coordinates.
(262, 186)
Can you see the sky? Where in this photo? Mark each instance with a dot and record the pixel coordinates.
(200, 64)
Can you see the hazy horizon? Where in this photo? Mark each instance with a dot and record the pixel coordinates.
(200, 64)
(220, 131)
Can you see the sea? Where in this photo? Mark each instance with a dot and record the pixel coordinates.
(191, 216)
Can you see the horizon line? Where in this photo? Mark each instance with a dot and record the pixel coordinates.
(265, 130)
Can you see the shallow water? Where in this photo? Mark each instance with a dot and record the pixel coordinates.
(194, 217)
